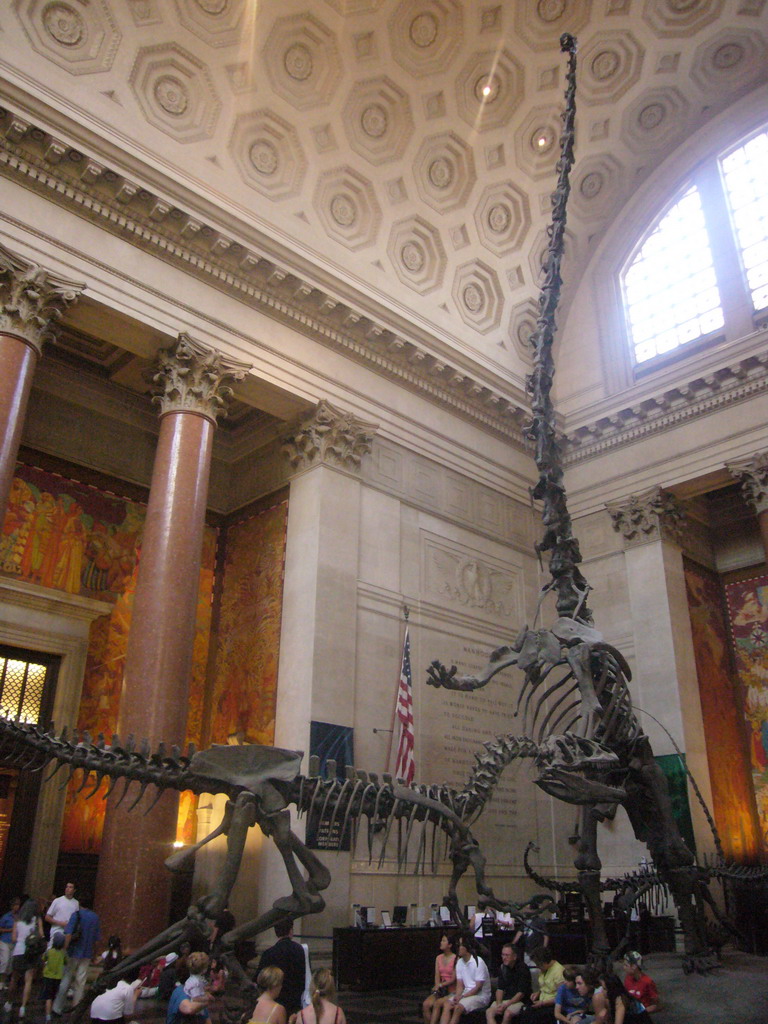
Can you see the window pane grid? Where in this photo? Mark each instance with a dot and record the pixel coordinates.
(22, 684)
(745, 187)
(670, 288)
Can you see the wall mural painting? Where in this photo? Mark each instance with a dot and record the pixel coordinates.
(748, 615)
(248, 642)
(733, 798)
(69, 536)
(100, 703)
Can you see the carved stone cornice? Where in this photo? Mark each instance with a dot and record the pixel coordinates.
(740, 380)
(329, 437)
(191, 377)
(752, 474)
(651, 516)
(253, 273)
(32, 300)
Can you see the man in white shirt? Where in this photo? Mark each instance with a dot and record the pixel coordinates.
(61, 909)
(473, 983)
(117, 1003)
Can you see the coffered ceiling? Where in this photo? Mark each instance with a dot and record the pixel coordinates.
(400, 154)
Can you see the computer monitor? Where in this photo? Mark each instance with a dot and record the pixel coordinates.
(400, 915)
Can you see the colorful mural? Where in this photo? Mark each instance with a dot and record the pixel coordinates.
(722, 710)
(248, 642)
(69, 536)
(748, 617)
(100, 703)
(74, 537)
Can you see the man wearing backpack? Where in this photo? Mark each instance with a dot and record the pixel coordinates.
(80, 937)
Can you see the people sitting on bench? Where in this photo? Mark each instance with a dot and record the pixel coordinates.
(513, 988)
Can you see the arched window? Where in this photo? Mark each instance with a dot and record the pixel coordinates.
(746, 186)
(701, 272)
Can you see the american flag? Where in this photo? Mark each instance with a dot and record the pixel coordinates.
(405, 766)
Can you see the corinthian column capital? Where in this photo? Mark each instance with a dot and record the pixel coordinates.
(190, 377)
(330, 437)
(752, 474)
(650, 516)
(32, 300)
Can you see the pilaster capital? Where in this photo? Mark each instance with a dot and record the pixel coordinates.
(653, 515)
(32, 300)
(191, 377)
(328, 436)
(752, 474)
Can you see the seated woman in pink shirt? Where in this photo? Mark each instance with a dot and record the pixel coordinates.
(445, 981)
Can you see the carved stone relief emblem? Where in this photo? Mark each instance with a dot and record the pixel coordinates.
(425, 34)
(445, 171)
(503, 217)
(216, 22)
(734, 58)
(611, 64)
(541, 22)
(81, 37)
(175, 92)
(469, 580)
(346, 204)
(597, 187)
(328, 436)
(417, 254)
(478, 296)
(655, 119)
(303, 61)
(680, 17)
(536, 140)
(145, 12)
(651, 516)
(378, 120)
(489, 89)
(268, 154)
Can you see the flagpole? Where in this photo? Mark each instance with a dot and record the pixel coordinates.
(390, 767)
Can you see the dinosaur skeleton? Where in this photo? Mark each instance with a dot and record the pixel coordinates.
(575, 684)
(261, 783)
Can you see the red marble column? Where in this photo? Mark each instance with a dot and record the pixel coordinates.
(31, 301)
(133, 885)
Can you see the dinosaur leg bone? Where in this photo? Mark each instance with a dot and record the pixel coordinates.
(588, 866)
(177, 860)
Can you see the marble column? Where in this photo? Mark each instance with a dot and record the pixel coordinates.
(752, 474)
(31, 303)
(318, 641)
(133, 885)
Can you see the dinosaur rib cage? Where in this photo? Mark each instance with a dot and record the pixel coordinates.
(555, 707)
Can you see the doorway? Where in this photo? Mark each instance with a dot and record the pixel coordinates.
(27, 689)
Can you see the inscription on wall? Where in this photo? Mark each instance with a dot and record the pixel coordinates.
(463, 723)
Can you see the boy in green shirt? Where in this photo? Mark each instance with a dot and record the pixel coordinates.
(54, 960)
